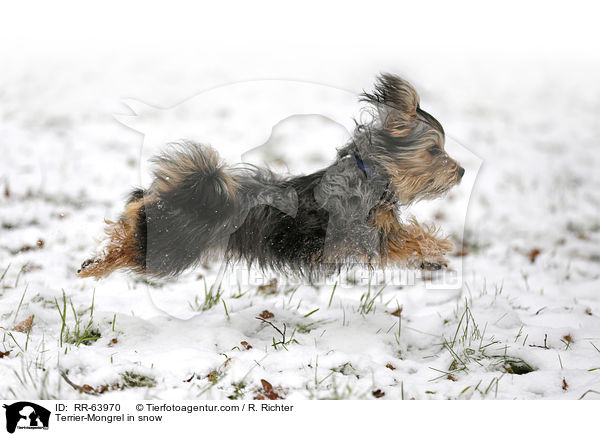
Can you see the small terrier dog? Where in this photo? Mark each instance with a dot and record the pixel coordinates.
(197, 207)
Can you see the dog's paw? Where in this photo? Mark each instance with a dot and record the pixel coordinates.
(84, 265)
(434, 264)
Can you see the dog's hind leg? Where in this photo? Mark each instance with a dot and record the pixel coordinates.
(125, 245)
(187, 214)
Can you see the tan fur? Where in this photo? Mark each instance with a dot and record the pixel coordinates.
(422, 175)
(414, 171)
(170, 173)
(406, 98)
(410, 244)
(121, 248)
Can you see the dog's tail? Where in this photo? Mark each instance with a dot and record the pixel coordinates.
(186, 214)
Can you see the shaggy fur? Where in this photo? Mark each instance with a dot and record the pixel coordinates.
(197, 207)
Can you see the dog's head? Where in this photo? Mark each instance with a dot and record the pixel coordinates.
(409, 143)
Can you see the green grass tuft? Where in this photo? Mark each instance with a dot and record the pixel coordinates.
(80, 332)
(212, 297)
(131, 379)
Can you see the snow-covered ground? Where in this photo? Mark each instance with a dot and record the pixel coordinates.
(525, 324)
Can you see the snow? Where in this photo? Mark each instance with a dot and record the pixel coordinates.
(67, 164)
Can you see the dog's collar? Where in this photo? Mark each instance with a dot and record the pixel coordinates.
(362, 165)
(365, 169)
(388, 195)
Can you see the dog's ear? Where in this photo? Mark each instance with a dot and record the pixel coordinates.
(393, 97)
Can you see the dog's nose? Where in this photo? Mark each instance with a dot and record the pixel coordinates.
(461, 172)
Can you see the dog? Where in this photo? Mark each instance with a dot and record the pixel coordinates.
(197, 207)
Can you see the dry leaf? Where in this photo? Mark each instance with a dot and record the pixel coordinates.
(268, 387)
(272, 395)
(268, 392)
(24, 326)
(4, 354)
(533, 254)
(397, 312)
(378, 393)
(246, 345)
(266, 314)
(269, 288)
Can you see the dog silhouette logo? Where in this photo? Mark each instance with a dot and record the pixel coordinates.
(26, 415)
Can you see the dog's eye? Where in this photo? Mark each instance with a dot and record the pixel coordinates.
(434, 151)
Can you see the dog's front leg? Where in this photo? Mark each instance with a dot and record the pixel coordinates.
(411, 244)
(430, 247)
